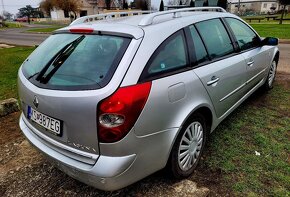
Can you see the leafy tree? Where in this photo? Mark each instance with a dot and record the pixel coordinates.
(284, 3)
(222, 3)
(161, 7)
(191, 4)
(28, 12)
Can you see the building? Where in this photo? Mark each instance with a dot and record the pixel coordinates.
(88, 7)
(254, 6)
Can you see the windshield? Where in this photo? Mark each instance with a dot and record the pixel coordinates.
(74, 61)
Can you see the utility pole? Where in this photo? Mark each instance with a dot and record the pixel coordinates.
(3, 8)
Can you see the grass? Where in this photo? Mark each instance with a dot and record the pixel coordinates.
(12, 25)
(10, 61)
(45, 30)
(261, 124)
(273, 30)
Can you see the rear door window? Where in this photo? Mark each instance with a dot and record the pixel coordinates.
(73, 61)
(170, 56)
(215, 37)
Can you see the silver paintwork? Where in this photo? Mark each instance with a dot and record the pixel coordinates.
(219, 86)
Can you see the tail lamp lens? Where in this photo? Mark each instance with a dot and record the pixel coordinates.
(118, 113)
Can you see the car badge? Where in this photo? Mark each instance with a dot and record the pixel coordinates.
(35, 101)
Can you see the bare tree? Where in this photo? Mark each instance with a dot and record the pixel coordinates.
(284, 3)
(47, 6)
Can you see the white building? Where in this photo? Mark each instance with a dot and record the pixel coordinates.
(256, 6)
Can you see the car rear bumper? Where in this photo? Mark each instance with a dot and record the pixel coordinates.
(108, 173)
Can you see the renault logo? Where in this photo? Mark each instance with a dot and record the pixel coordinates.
(35, 101)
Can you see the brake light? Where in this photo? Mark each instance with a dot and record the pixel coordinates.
(81, 30)
(118, 113)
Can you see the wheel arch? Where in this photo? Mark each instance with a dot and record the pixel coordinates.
(204, 110)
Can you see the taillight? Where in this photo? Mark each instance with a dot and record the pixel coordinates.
(118, 113)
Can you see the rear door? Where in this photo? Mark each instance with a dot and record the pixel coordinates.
(257, 58)
(220, 69)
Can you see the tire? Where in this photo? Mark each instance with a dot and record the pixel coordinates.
(188, 147)
(268, 85)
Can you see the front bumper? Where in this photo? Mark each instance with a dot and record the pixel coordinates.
(108, 173)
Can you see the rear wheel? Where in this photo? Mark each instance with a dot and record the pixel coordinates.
(188, 147)
(271, 76)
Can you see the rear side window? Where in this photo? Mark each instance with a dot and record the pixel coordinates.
(171, 55)
(244, 35)
(215, 37)
(74, 61)
(200, 54)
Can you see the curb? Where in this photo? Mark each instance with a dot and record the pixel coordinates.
(8, 106)
(284, 41)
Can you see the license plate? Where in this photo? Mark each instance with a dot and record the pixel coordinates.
(45, 121)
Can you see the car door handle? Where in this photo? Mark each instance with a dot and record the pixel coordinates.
(213, 80)
(250, 63)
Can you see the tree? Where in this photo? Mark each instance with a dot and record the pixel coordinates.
(284, 3)
(192, 4)
(47, 6)
(66, 5)
(7, 15)
(28, 12)
(205, 3)
(108, 4)
(180, 2)
(222, 3)
(125, 5)
(161, 7)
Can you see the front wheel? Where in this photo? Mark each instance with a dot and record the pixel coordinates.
(271, 76)
(188, 147)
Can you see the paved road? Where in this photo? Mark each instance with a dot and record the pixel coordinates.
(284, 64)
(17, 36)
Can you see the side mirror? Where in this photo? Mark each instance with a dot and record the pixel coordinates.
(270, 41)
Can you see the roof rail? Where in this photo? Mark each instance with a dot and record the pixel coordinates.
(148, 20)
(91, 18)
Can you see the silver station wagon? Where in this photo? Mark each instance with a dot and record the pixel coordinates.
(115, 97)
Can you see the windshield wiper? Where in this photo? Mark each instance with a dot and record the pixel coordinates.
(57, 60)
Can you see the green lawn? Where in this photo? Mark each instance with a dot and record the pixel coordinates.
(10, 61)
(261, 124)
(12, 25)
(45, 30)
(273, 30)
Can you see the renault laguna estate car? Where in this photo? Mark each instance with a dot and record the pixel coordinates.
(115, 97)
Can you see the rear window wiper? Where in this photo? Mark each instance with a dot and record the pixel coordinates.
(57, 60)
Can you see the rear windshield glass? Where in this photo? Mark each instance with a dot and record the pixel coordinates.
(74, 61)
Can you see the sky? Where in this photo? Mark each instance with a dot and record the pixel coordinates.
(12, 6)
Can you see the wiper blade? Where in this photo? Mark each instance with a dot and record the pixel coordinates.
(66, 50)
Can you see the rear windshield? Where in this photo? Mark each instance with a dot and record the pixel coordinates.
(74, 61)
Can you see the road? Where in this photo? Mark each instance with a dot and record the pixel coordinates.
(17, 36)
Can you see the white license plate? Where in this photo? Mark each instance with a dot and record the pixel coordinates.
(45, 121)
